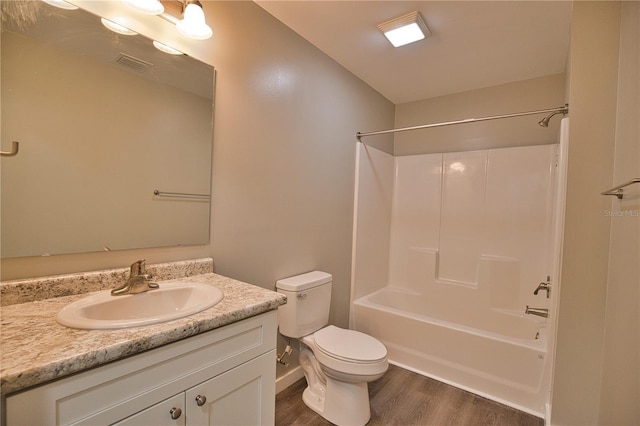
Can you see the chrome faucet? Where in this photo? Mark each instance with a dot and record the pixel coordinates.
(541, 312)
(139, 281)
(544, 286)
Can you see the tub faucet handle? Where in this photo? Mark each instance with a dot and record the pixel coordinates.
(546, 286)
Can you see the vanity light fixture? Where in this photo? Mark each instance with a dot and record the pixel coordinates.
(166, 49)
(193, 24)
(186, 15)
(117, 28)
(405, 29)
(148, 7)
(61, 4)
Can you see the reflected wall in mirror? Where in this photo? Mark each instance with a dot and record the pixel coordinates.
(103, 120)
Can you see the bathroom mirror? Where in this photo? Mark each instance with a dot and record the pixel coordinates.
(103, 121)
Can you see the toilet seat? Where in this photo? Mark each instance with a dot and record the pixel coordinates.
(349, 345)
(348, 351)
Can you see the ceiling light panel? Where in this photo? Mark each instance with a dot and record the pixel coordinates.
(405, 29)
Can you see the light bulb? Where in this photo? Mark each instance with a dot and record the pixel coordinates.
(117, 28)
(404, 35)
(166, 49)
(193, 24)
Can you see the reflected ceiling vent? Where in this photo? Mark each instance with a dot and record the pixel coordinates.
(132, 63)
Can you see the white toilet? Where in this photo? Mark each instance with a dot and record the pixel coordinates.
(337, 363)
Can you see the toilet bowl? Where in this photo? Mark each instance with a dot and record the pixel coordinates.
(337, 371)
(337, 363)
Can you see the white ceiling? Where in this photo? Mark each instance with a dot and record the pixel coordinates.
(473, 44)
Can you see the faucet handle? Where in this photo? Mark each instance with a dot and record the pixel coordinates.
(546, 286)
(138, 268)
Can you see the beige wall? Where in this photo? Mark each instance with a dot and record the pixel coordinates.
(620, 392)
(528, 95)
(284, 154)
(583, 354)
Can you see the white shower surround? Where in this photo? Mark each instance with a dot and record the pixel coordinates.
(448, 249)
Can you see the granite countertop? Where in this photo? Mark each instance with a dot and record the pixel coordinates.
(35, 349)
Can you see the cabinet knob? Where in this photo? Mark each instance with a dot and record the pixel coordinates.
(200, 400)
(175, 413)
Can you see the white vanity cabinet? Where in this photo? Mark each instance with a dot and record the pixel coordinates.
(225, 376)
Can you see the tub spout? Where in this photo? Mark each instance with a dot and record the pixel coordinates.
(541, 312)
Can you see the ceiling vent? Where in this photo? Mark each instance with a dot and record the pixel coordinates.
(132, 63)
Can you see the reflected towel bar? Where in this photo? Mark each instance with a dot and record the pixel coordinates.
(15, 146)
(181, 195)
(617, 191)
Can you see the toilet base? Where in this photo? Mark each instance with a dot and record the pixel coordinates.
(341, 403)
(341, 398)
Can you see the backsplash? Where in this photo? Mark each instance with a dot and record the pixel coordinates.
(32, 289)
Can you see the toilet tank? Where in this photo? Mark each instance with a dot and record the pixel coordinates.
(308, 303)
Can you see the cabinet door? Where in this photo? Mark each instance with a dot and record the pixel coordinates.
(170, 412)
(242, 396)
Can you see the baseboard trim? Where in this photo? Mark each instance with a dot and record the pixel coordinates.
(288, 379)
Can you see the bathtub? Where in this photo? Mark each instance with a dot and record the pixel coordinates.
(500, 355)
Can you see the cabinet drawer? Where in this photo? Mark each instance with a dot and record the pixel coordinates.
(115, 391)
(160, 414)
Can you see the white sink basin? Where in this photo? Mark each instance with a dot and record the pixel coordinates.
(169, 302)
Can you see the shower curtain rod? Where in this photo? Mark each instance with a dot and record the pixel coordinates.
(564, 110)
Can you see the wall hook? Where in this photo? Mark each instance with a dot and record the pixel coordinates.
(14, 150)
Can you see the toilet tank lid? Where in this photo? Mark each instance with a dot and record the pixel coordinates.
(304, 281)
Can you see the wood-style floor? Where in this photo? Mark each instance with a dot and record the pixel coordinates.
(402, 397)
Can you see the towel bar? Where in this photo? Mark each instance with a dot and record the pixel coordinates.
(617, 191)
